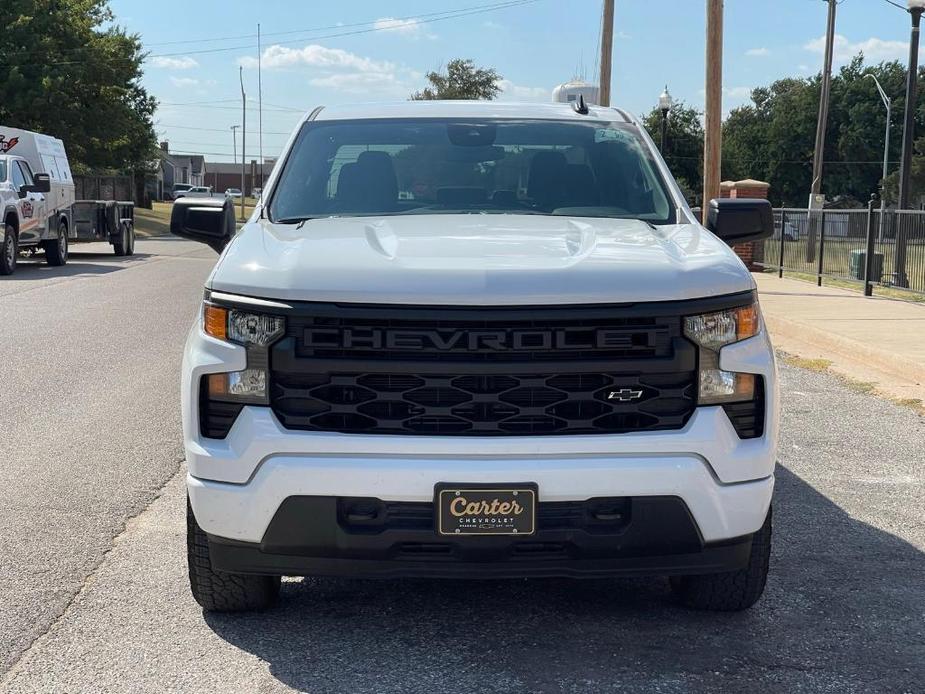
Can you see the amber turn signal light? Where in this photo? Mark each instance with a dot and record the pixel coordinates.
(215, 321)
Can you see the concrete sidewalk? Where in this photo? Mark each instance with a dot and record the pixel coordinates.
(870, 339)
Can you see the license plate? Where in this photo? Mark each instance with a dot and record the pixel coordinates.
(496, 509)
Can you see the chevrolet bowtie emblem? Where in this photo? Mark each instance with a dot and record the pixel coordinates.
(624, 395)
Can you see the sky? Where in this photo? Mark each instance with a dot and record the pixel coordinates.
(318, 52)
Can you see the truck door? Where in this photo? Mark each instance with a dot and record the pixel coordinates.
(32, 211)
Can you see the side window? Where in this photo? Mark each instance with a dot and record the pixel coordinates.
(26, 172)
(16, 176)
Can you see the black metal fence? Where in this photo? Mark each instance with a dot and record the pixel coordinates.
(837, 243)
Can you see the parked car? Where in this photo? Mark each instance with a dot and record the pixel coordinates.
(194, 192)
(233, 193)
(38, 205)
(526, 358)
(177, 190)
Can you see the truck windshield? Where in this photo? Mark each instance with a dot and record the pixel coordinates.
(419, 166)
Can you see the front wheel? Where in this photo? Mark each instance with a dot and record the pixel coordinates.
(217, 591)
(8, 251)
(56, 250)
(734, 590)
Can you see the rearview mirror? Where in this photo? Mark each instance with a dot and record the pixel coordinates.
(207, 220)
(41, 183)
(736, 220)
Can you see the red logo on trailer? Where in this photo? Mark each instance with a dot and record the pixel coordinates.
(7, 145)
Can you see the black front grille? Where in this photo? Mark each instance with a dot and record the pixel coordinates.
(483, 372)
(389, 403)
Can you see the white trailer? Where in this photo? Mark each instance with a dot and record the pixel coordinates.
(39, 212)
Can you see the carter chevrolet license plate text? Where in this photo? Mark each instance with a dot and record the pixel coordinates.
(486, 509)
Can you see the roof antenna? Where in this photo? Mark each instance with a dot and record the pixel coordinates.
(580, 106)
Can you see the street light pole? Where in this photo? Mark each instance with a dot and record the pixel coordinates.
(243, 138)
(234, 140)
(664, 105)
(888, 103)
(905, 167)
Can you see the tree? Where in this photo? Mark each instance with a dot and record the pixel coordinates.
(461, 81)
(684, 154)
(66, 75)
(773, 138)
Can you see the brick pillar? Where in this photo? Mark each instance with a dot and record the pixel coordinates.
(753, 252)
(725, 189)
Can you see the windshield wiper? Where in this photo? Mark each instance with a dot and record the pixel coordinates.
(293, 220)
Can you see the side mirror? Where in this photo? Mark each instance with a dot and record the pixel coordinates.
(209, 221)
(736, 220)
(41, 183)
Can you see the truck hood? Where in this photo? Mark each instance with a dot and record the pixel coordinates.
(478, 259)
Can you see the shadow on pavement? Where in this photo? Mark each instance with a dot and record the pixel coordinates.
(36, 268)
(843, 612)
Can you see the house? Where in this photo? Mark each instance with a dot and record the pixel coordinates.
(222, 176)
(179, 168)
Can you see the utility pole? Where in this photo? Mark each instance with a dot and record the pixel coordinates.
(606, 52)
(713, 113)
(259, 110)
(243, 138)
(821, 123)
(234, 140)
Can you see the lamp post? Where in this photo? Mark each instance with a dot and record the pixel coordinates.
(916, 7)
(664, 105)
(888, 104)
(234, 140)
(243, 138)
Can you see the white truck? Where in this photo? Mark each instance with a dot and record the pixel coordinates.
(469, 339)
(38, 208)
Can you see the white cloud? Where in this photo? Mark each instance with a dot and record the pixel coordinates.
(184, 63)
(874, 49)
(411, 28)
(515, 92)
(183, 81)
(488, 24)
(757, 52)
(317, 56)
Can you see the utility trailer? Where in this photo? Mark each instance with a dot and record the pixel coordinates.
(37, 204)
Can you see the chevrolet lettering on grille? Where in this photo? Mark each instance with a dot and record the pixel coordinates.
(466, 340)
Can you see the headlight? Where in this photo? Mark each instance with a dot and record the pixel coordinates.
(254, 331)
(240, 326)
(711, 332)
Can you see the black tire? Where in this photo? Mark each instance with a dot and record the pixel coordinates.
(217, 591)
(56, 251)
(130, 246)
(121, 242)
(9, 250)
(732, 591)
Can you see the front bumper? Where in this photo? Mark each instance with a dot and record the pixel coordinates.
(316, 536)
(238, 484)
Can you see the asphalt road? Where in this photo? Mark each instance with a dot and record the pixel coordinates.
(89, 426)
(844, 610)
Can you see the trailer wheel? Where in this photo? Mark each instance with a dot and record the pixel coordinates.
(130, 249)
(56, 250)
(125, 242)
(8, 250)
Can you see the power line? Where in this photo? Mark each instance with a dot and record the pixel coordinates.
(494, 8)
(407, 18)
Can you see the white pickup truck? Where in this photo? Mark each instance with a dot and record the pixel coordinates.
(487, 340)
(38, 208)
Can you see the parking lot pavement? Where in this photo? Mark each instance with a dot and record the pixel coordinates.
(89, 424)
(844, 610)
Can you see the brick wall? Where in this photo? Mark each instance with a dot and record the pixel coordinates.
(751, 253)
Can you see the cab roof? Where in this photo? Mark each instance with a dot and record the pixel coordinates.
(469, 109)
